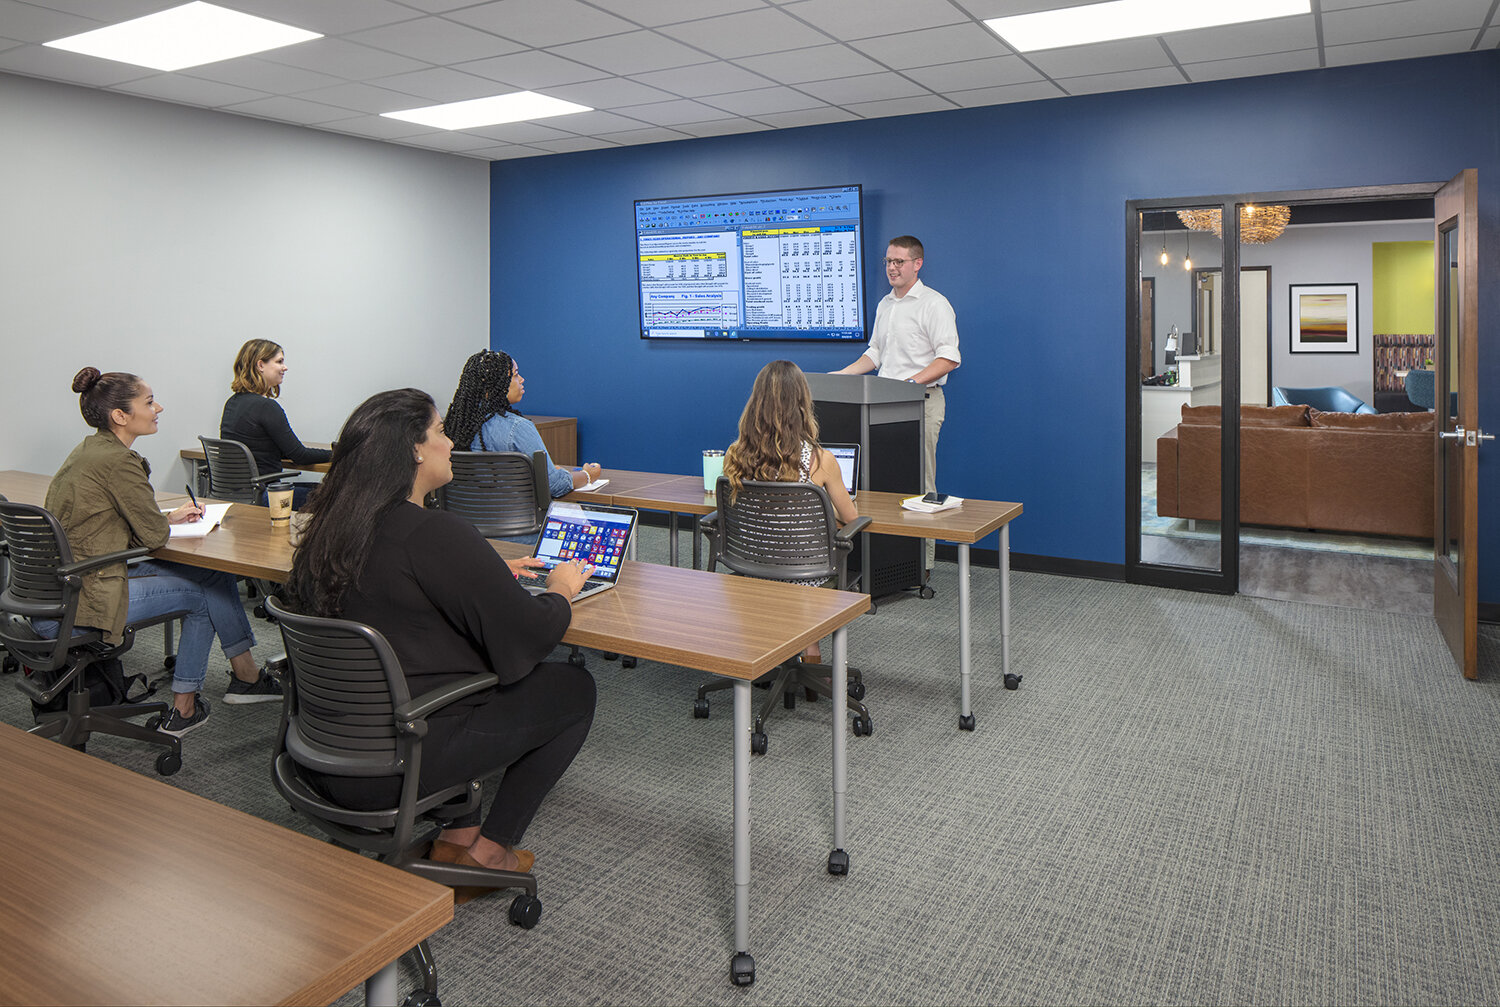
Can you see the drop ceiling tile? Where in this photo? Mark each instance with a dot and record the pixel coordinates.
(594, 123)
(702, 79)
(436, 41)
(72, 67)
(1006, 94)
(542, 22)
(636, 52)
(747, 33)
(821, 62)
(933, 46)
(343, 59)
(1252, 66)
(1125, 80)
(1394, 20)
(806, 117)
(974, 73)
(852, 19)
(1101, 58)
(653, 134)
(670, 113)
(531, 70)
(291, 110)
(982, 9)
(1256, 38)
(262, 75)
(103, 12)
(440, 84)
(363, 98)
(379, 127)
(506, 152)
(189, 90)
(869, 87)
(572, 143)
(763, 100)
(27, 23)
(900, 106)
(614, 92)
(722, 127)
(653, 13)
(1491, 38)
(328, 17)
(449, 140)
(10, 43)
(519, 132)
(1397, 48)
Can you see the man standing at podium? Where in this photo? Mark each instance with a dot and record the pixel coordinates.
(915, 338)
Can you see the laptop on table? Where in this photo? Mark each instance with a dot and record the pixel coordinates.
(847, 455)
(594, 533)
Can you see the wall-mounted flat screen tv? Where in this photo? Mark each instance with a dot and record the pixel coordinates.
(786, 264)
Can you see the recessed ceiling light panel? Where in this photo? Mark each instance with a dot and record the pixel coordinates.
(190, 35)
(1103, 22)
(516, 107)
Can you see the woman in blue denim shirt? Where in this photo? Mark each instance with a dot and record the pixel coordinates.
(483, 417)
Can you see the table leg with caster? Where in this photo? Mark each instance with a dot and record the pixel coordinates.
(838, 860)
(742, 965)
(965, 716)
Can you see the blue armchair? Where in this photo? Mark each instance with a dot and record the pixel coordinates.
(1330, 399)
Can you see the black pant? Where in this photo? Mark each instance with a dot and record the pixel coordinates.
(531, 730)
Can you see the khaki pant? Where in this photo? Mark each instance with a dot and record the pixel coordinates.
(933, 410)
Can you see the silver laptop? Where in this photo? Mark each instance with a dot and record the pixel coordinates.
(594, 533)
(847, 455)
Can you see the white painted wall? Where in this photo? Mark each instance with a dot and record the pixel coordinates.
(143, 236)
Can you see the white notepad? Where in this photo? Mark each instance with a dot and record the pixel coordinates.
(212, 514)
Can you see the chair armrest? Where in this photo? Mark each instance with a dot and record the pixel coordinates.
(853, 528)
(85, 565)
(708, 524)
(419, 707)
(275, 477)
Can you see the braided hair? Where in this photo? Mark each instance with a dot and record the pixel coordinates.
(483, 391)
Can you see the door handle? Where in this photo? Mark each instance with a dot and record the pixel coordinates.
(1457, 434)
(1480, 436)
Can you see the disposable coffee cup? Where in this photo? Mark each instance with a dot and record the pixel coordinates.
(279, 500)
(713, 467)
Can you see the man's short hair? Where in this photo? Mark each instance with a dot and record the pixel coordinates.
(911, 244)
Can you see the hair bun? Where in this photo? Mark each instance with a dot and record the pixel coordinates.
(86, 379)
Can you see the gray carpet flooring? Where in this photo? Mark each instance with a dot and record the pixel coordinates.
(1191, 799)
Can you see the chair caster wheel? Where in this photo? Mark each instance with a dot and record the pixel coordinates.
(627, 662)
(862, 726)
(742, 969)
(153, 722)
(856, 691)
(170, 661)
(260, 612)
(168, 763)
(11, 666)
(576, 659)
(811, 695)
(421, 998)
(838, 863)
(700, 709)
(926, 593)
(1012, 681)
(758, 742)
(609, 655)
(789, 700)
(966, 722)
(525, 911)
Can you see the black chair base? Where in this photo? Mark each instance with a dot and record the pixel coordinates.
(815, 680)
(74, 726)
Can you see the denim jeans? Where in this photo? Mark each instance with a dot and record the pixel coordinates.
(212, 603)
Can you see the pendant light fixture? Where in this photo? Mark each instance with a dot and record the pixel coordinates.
(1164, 239)
(1187, 257)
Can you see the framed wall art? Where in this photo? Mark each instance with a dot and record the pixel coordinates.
(1325, 317)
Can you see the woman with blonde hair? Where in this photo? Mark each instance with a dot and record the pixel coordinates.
(253, 417)
(778, 442)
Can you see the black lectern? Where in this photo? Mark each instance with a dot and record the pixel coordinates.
(884, 417)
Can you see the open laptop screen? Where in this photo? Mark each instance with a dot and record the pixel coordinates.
(588, 532)
(847, 455)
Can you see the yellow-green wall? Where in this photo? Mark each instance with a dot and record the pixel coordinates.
(1403, 286)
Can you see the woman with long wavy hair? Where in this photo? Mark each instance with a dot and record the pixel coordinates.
(450, 607)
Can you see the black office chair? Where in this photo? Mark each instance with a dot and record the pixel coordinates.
(45, 583)
(786, 532)
(502, 493)
(9, 665)
(347, 711)
(233, 474)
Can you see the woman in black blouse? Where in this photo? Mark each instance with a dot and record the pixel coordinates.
(450, 607)
(253, 417)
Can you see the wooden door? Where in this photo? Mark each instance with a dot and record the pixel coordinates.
(1148, 326)
(1455, 592)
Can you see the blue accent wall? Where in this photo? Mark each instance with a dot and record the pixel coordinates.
(1022, 211)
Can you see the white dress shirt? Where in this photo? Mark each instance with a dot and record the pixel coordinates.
(911, 332)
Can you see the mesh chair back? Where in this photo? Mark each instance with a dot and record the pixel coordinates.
(36, 549)
(777, 531)
(343, 687)
(232, 472)
(502, 493)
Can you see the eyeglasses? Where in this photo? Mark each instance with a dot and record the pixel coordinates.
(898, 263)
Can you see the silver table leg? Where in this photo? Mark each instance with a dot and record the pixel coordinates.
(1005, 602)
(672, 537)
(380, 988)
(965, 715)
(838, 860)
(742, 965)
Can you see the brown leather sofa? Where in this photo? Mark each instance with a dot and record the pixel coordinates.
(1302, 468)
